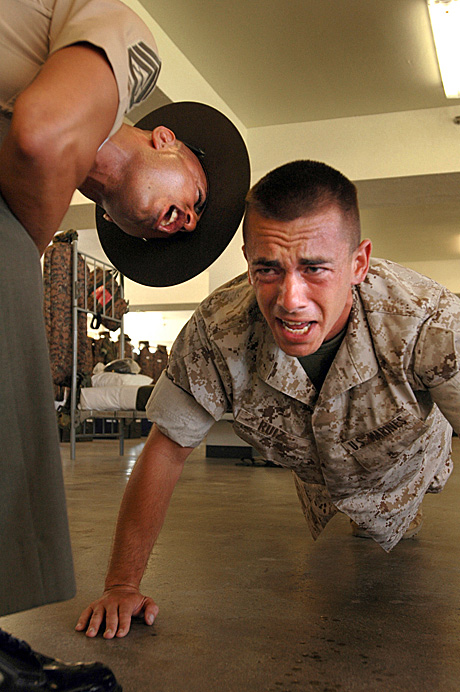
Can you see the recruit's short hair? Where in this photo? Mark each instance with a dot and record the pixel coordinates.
(300, 188)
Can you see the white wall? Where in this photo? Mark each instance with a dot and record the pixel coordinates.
(446, 272)
(189, 292)
(229, 264)
(155, 327)
(365, 147)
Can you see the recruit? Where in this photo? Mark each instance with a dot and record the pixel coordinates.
(343, 368)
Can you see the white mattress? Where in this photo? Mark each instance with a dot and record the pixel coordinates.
(108, 398)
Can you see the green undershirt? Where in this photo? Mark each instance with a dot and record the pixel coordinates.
(317, 364)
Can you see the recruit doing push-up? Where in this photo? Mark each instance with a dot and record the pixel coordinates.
(343, 368)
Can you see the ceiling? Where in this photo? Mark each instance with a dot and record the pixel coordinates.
(285, 61)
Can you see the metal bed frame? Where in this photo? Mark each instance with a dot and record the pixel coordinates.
(89, 307)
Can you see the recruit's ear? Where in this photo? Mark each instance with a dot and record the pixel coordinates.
(361, 257)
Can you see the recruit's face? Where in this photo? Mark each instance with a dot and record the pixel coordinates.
(302, 272)
(164, 191)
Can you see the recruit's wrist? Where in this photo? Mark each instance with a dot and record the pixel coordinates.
(121, 586)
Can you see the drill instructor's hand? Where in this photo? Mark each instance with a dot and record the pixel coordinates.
(117, 606)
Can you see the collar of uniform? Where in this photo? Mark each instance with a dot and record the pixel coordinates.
(283, 372)
(355, 361)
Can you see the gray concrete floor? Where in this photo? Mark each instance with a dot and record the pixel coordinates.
(248, 602)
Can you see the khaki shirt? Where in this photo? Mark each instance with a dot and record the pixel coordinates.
(376, 437)
(32, 30)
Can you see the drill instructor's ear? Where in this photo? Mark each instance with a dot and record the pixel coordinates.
(361, 257)
(107, 217)
(163, 137)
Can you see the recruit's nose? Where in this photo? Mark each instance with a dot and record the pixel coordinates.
(292, 296)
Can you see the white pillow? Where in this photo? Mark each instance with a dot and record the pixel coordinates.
(118, 379)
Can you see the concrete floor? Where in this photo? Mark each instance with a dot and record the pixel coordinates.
(248, 601)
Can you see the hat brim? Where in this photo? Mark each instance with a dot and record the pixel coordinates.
(170, 261)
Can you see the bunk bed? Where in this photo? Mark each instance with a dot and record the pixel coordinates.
(83, 286)
(92, 290)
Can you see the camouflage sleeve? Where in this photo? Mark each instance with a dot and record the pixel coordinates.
(437, 357)
(177, 414)
(197, 366)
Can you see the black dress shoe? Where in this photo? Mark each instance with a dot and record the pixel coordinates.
(25, 670)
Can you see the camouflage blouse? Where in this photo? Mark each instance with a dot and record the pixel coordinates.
(376, 437)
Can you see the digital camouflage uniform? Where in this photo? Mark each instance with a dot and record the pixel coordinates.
(376, 437)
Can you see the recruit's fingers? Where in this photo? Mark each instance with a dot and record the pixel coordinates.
(125, 613)
(95, 621)
(84, 618)
(111, 620)
(147, 607)
(151, 611)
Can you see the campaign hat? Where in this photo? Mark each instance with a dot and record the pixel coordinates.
(223, 155)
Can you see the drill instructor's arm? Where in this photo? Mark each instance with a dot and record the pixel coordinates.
(141, 517)
(59, 121)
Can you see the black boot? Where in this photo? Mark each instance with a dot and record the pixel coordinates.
(24, 670)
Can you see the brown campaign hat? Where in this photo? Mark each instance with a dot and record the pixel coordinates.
(169, 261)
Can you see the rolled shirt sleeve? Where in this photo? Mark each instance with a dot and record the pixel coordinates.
(177, 414)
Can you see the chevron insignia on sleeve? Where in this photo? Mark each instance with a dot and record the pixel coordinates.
(144, 68)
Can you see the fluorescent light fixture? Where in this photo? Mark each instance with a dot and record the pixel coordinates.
(445, 22)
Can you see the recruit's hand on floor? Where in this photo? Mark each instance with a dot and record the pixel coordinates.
(116, 606)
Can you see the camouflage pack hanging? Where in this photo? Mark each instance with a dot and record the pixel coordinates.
(57, 282)
(105, 298)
